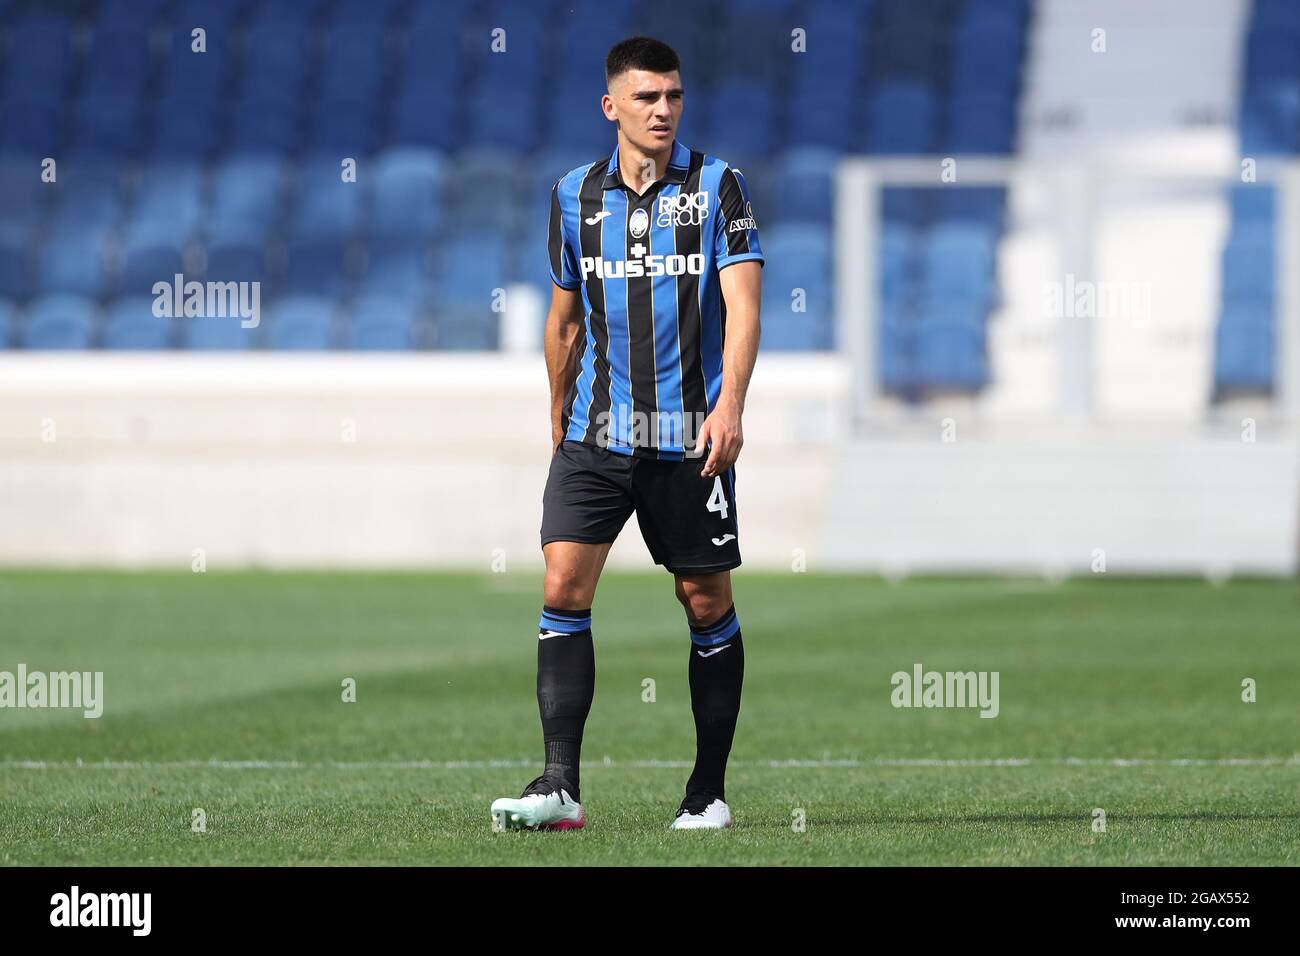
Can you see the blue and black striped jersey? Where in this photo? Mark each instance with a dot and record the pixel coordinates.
(651, 360)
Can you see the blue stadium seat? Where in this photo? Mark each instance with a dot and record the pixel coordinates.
(1248, 262)
(24, 197)
(119, 59)
(327, 207)
(60, 321)
(906, 205)
(268, 124)
(186, 129)
(1252, 203)
(40, 54)
(14, 278)
(896, 350)
(396, 267)
(467, 328)
(530, 258)
(352, 46)
(744, 120)
(473, 265)
(426, 114)
(899, 251)
(301, 323)
(487, 191)
(366, 11)
(383, 324)
(194, 77)
(246, 194)
(817, 122)
(8, 325)
(109, 124)
(30, 125)
(1269, 120)
(1270, 55)
(73, 261)
(958, 264)
(343, 129)
(408, 193)
(236, 262)
(146, 262)
(1243, 354)
(504, 121)
(88, 194)
(787, 331)
(318, 266)
(1274, 17)
(217, 334)
(215, 16)
(798, 272)
(950, 352)
(134, 14)
(980, 123)
(168, 205)
(583, 130)
(981, 205)
(803, 184)
(901, 119)
(131, 324)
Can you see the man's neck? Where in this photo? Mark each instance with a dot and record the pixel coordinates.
(632, 163)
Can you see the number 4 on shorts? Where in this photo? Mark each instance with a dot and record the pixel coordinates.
(718, 499)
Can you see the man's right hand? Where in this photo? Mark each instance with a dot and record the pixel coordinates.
(562, 342)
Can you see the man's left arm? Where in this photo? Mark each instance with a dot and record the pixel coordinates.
(741, 285)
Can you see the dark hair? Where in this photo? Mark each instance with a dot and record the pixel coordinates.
(640, 53)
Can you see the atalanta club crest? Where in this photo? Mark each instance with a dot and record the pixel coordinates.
(638, 223)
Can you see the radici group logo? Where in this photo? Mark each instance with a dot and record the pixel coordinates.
(684, 209)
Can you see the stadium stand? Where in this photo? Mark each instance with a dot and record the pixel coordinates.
(1269, 123)
(225, 165)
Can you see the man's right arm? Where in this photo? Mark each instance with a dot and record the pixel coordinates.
(562, 344)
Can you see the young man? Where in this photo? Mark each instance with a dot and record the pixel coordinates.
(650, 341)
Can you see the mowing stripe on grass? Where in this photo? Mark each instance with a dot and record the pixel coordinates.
(1291, 761)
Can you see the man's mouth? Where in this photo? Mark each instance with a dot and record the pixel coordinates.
(661, 128)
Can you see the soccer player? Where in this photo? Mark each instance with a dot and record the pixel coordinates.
(650, 341)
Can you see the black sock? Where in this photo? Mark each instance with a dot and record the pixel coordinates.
(566, 683)
(717, 671)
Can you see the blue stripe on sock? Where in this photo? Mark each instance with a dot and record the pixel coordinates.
(722, 630)
(566, 622)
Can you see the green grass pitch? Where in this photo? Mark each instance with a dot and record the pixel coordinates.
(223, 692)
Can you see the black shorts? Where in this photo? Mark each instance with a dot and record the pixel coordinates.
(688, 522)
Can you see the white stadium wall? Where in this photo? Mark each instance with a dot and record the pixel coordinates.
(436, 461)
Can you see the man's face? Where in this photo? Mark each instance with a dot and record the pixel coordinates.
(647, 107)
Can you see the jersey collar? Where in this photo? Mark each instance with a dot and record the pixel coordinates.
(679, 164)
